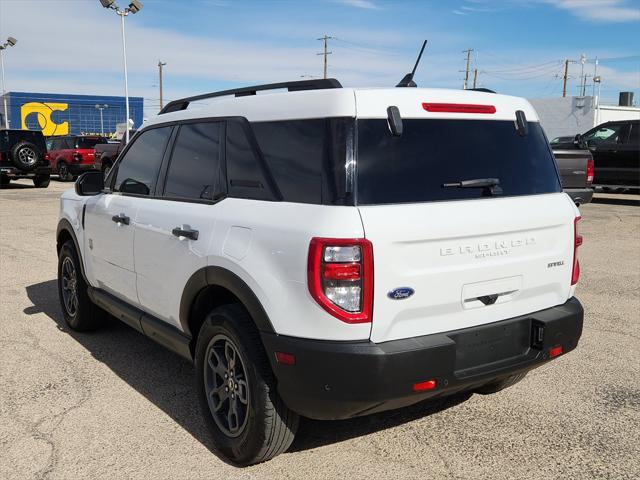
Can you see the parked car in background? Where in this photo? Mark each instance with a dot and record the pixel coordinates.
(106, 153)
(615, 147)
(575, 164)
(23, 154)
(72, 155)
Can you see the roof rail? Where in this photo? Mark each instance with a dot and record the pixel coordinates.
(316, 84)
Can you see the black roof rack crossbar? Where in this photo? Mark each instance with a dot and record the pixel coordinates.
(316, 84)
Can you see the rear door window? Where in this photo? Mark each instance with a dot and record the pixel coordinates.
(194, 171)
(430, 153)
(87, 142)
(137, 171)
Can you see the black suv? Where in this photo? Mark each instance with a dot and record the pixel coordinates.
(23, 154)
(615, 147)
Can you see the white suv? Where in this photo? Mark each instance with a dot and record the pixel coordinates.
(330, 252)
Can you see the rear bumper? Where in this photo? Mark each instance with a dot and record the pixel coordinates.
(335, 380)
(80, 168)
(580, 195)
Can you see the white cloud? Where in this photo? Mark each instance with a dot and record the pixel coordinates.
(600, 10)
(365, 4)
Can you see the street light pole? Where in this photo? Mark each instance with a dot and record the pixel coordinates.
(9, 43)
(101, 108)
(134, 7)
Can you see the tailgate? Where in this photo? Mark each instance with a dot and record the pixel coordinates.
(572, 165)
(469, 262)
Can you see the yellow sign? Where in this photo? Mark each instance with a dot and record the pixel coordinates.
(43, 112)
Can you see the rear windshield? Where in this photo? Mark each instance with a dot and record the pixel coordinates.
(430, 153)
(86, 142)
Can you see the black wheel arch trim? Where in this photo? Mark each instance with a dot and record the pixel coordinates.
(213, 276)
(65, 225)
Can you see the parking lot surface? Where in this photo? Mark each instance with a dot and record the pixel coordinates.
(113, 404)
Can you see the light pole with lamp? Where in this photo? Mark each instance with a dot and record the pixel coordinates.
(134, 7)
(101, 108)
(9, 43)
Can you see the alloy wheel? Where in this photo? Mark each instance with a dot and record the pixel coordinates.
(226, 387)
(27, 156)
(69, 287)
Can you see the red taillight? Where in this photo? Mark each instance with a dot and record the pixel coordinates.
(458, 108)
(340, 277)
(47, 157)
(577, 241)
(285, 358)
(424, 386)
(555, 351)
(590, 171)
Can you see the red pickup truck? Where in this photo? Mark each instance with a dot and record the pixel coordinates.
(72, 155)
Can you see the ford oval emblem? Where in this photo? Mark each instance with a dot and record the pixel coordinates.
(400, 293)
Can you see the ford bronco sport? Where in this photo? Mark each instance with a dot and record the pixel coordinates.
(329, 252)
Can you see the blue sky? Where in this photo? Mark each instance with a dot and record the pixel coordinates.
(73, 46)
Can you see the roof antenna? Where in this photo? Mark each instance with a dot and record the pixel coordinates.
(407, 80)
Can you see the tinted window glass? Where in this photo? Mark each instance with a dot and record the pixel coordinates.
(430, 153)
(246, 176)
(68, 143)
(138, 169)
(194, 171)
(611, 133)
(634, 134)
(86, 142)
(305, 157)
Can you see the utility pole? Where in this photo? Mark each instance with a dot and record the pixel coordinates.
(466, 72)
(160, 65)
(475, 77)
(565, 77)
(325, 53)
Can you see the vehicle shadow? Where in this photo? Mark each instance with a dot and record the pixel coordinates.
(166, 380)
(16, 186)
(612, 200)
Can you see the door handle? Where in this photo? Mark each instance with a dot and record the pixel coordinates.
(121, 218)
(185, 231)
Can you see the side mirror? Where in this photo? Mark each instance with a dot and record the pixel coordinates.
(90, 183)
(579, 142)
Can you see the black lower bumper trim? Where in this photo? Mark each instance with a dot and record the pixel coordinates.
(334, 380)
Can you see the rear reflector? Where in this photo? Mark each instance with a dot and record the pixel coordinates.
(555, 351)
(285, 358)
(423, 386)
(458, 108)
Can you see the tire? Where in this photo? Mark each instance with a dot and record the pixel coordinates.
(63, 172)
(106, 168)
(264, 426)
(79, 312)
(499, 385)
(25, 156)
(41, 181)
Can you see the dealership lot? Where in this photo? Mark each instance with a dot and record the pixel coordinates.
(113, 404)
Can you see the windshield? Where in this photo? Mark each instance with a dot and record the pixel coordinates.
(430, 153)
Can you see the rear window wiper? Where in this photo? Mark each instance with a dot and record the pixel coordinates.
(490, 185)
